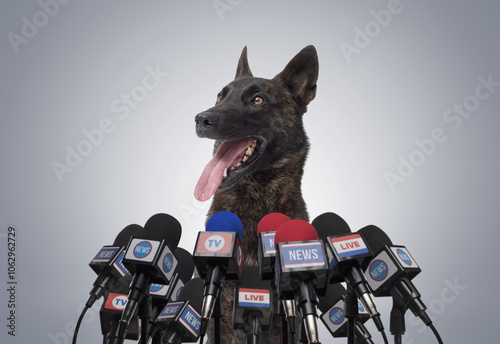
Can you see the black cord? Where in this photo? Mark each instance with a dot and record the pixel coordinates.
(385, 337)
(398, 339)
(79, 322)
(438, 337)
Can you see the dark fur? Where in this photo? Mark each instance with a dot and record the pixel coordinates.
(273, 183)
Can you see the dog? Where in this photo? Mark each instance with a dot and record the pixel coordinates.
(259, 155)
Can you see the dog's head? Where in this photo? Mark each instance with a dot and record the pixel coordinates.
(256, 122)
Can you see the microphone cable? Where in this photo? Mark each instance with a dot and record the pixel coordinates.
(434, 330)
(79, 322)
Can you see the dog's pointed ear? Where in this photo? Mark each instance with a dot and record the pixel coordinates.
(243, 67)
(300, 76)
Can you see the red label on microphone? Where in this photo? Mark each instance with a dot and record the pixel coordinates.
(215, 243)
(116, 302)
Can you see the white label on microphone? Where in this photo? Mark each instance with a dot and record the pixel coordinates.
(350, 245)
(335, 317)
(404, 257)
(116, 301)
(167, 263)
(158, 289)
(142, 250)
(254, 298)
(380, 270)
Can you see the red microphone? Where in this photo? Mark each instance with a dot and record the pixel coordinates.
(266, 253)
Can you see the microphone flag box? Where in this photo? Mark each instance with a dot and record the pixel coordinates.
(335, 320)
(218, 248)
(184, 316)
(348, 251)
(266, 255)
(250, 300)
(105, 260)
(392, 263)
(303, 260)
(111, 312)
(151, 255)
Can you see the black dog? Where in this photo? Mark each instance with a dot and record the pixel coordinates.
(259, 155)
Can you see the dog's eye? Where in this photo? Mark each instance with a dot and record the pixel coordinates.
(258, 100)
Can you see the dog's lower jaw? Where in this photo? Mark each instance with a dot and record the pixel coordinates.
(251, 199)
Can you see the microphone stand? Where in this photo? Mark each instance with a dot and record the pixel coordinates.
(351, 312)
(217, 315)
(144, 313)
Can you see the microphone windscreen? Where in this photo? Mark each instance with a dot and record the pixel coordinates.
(124, 236)
(271, 222)
(333, 292)
(375, 238)
(330, 224)
(295, 230)
(225, 221)
(193, 292)
(163, 227)
(185, 264)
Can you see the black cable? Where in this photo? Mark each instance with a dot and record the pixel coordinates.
(79, 322)
(438, 337)
(398, 339)
(385, 337)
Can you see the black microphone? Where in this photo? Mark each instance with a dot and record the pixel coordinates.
(218, 256)
(253, 304)
(150, 259)
(112, 308)
(350, 255)
(181, 320)
(390, 273)
(301, 270)
(332, 307)
(107, 263)
(162, 294)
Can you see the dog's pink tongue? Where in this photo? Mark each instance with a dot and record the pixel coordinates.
(214, 171)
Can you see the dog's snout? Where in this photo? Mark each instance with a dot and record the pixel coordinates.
(205, 120)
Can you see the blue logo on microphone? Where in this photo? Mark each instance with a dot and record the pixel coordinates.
(142, 249)
(337, 315)
(168, 262)
(404, 257)
(378, 270)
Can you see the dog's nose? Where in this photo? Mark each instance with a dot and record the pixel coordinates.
(205, 120)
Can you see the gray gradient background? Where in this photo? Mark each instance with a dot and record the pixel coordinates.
(366, 114)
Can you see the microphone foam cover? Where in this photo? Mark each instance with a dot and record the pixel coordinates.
(295, 230)
(193, 292)
(185, 264)
(124, 236)
(333, 292)
(271, 222)
(375, 238)
(163, 227)
(225, 221)
(330, 224)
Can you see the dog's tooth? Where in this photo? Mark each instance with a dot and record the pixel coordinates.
(239, 164)
(245, 158)
(249, 151)
(225, 173)
(254, 144)
(232, 168)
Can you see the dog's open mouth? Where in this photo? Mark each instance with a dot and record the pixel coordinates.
(229, 164)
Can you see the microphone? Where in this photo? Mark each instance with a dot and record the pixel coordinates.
(390, 273)
(181, 320)
(253, 304)
(112, 308)
(301, 270)
(350, 255)
(162, 294)
(107, 263)
(150, 259)
(332, 307)
(266, 254)
(218, 256)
